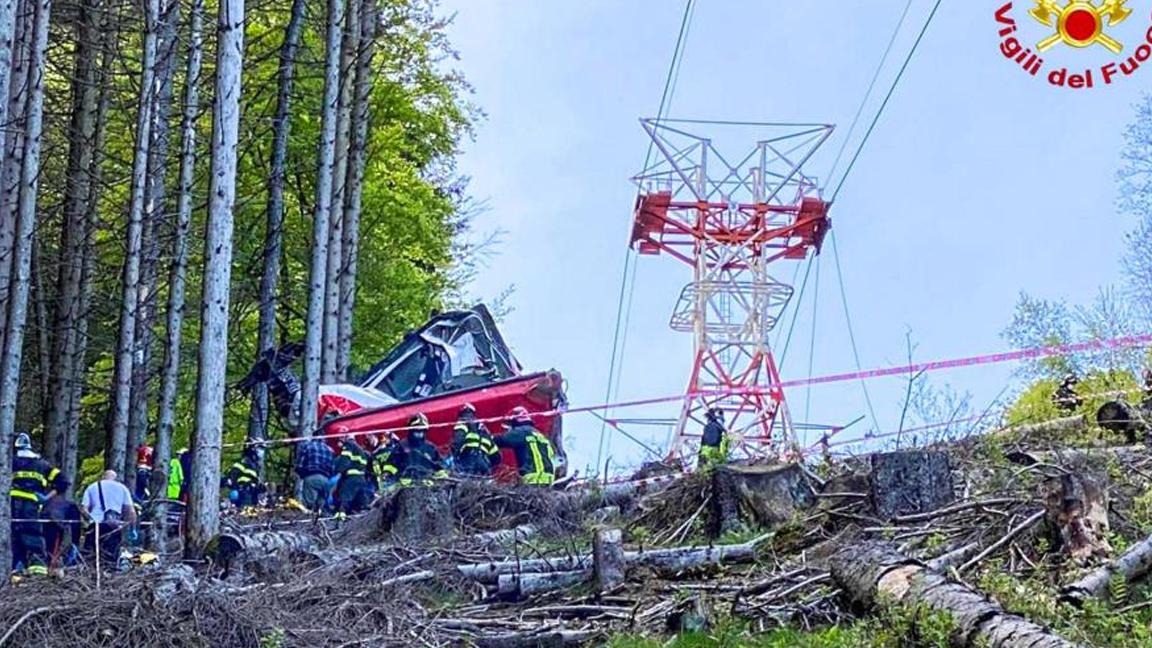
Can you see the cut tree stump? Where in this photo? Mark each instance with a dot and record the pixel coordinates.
(1133, 564)
(765, 496)
(874, 573)
(419, 513)
(909, 482)
(1077, 516)
(608, 559)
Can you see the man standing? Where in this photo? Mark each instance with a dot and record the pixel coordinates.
(353, 468)
(62, 533)
(109, 504)
(714, 441)
(534, 452)
(314, 465)
(473, 450)
(33, 480)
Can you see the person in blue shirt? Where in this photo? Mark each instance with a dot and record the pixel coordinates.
(315, 463)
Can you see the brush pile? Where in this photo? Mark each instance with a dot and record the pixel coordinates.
(795, 546)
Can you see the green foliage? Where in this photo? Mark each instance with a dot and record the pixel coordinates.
(1098, 386)
(275, 638)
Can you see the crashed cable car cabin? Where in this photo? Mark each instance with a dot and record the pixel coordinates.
(457, 357)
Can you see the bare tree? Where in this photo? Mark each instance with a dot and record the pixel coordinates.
(117, 448)
(17, 297)
(177, 277)
(203, 508)
(317, 284)
(353, 196)
(274, 234)
(348, 48)
(17, 83)
(75, 234)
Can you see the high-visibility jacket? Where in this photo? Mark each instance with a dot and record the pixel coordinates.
(473, 449)
(353, 461)
(32, 477)
(175, 478)
(413, 460)
(243, 474)
(713, 445)
(534, 453)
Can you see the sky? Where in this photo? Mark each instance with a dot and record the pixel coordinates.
(980, 181)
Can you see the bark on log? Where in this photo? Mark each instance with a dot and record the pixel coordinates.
(523, 585)
(1135, 562)
(177, 580)
(608, 558)
(908, 482)
(419, 514)
(1077, 507)
(491, 539)
(261, 549)
(622, 493)
(770, 495)
(1061, 425)
(673, 559)
(874, 573)
(1080, 458)
(545, 639)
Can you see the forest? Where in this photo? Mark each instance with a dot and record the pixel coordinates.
(189, 183)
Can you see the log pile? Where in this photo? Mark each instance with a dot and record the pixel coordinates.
(770, 546)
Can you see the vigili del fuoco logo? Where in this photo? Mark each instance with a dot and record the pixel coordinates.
(1056, 30)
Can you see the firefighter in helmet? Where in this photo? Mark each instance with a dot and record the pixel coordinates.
(714, 442)
(535, 455)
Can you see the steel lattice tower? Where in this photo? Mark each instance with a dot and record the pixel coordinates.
(732, 219)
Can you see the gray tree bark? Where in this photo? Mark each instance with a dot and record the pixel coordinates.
(117, 448)
(354, 193)
(317, 283)
(15, 110)
(348, 49)
(203, 506)
(17, 297)
(76, 232)
(1133, 564)
(874, 573)
(155, 192)
(177, 277)
(274, 234)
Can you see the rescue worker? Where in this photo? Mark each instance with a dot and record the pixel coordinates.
(176, 480)
(473, 450)
(315, 465)
(714, 441)
(535, 455)
(387, 469)
(243, 479)
(1147, 386)
(415, 460)
(1065, 397)
(142, 491)
(353, 468)
(33, 481)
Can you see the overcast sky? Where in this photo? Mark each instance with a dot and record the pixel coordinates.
(979, 182)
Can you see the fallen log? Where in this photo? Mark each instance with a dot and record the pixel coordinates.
(1061, 425)
(621, 493)
(259, 550)
(541, 639)
(1080, 458)
(522, 585)
(672, 559)
(1133, 564)
(492, 539)
(874, 573)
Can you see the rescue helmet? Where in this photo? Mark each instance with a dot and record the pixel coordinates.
(715, 414)
(467, 408)
(144, 455)
(370, 441)
(1071, 379)
(419, 421)
(22, 442)
(519, 414)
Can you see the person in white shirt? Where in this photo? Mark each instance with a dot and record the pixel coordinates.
(109, 504)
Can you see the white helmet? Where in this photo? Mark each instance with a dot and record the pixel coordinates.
(23, 442)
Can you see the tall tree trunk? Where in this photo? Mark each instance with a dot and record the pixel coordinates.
(70, 463)
(117, 447)
(353, 196)
(317, 284)
(348, 47)
(16, 88)
(17, 297)
(40, 312)
(203, 507)
(75, 234)
(154, 219)
(274, 235)
(170, 379)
